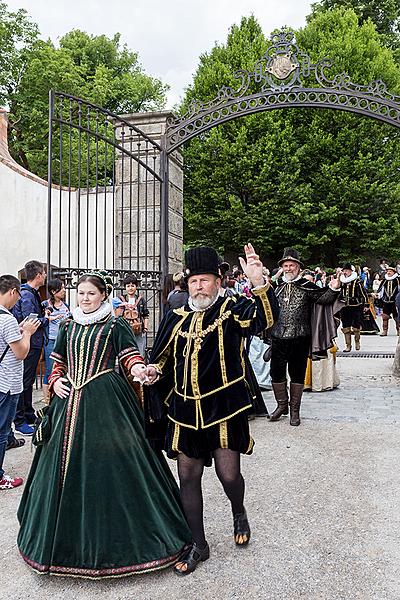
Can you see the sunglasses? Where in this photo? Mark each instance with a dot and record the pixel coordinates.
(18, 292)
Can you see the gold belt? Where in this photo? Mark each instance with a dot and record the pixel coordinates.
(81, 385)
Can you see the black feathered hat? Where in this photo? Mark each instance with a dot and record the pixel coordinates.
(290, 254)
(201, 261)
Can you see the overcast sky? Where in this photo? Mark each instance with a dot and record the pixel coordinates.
(169, 35)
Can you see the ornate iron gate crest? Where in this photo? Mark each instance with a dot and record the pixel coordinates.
(281, 77)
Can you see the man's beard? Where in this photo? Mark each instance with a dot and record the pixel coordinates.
(203, 301)
(291, 276)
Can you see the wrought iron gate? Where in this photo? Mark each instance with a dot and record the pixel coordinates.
(104, 198)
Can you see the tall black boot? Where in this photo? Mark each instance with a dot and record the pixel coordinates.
(282, 400)
(296, 392)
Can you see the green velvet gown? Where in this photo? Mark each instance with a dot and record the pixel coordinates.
(99, 502)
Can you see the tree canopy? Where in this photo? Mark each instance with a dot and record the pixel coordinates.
(324, 181)
(96, 68)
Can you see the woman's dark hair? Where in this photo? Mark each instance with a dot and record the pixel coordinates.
(97, 282)
(54, 286)
(167, 288)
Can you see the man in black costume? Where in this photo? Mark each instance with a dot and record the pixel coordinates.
(356, 301)
(388, 291)
(291, 335)
(197, 409)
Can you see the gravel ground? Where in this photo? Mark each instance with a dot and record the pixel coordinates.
(322, 500)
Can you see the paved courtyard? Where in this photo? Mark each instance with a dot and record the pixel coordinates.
(323, 500)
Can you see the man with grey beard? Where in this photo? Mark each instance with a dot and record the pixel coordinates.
(291, 334)
(197, 407)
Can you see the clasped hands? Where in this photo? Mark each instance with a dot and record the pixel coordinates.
(145, 374)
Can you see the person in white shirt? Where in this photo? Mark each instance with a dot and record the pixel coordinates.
(14, 346)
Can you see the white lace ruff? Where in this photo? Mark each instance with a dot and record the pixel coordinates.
(88, 318)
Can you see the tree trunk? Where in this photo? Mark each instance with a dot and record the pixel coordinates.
(396, 362)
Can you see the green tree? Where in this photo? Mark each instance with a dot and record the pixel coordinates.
(96, 68)
(324, 181)
(385, 14)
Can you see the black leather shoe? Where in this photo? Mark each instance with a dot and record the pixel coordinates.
(241, 527)
(191, 558)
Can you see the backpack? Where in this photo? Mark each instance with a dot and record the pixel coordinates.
(134, 319)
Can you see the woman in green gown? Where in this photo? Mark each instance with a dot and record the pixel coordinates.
(98, 502)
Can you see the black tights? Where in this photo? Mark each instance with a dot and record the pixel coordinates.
(190, 471)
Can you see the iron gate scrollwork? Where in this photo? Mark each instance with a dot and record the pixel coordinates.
(280, 76)
(104, 198)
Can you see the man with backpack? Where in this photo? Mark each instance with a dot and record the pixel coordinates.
(136, 312)
(14, 346)
(30, 304)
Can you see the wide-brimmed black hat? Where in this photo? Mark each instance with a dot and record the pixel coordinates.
(201, 261)
(290, 254)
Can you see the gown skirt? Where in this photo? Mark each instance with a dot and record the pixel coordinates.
(99, 501)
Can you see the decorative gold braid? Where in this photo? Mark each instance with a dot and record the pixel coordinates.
(262, 294)
(250, 446)
(71, 432)
(194, 372)
(87, 354)
(175, 440)
(244, 324)
(82, 357)
(202, 333)
(223, 434)
(186, 352)
(221, 349)
(95, 376)
(196, 427)
(104, 348)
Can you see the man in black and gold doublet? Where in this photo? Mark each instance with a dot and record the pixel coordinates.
(197, 408)
(200, 357)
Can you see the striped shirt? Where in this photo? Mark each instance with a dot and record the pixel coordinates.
(11, 368)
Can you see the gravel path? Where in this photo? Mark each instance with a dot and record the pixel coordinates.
(322, 499)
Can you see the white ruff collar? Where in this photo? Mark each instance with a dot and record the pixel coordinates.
(89, 318)
(292, 280)
(192, 307)
(348, 279)
(391, 278)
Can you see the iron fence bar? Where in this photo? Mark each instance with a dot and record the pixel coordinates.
(146, 187)
(111, 115)
(69, 186)
(113, 243)
(49, 180)
(105, 205)
(130, 199)
(96, 233)
(60, 191)
(138, 229)
(79, 186)
(122, 233)
(87, 188)
(102, 137)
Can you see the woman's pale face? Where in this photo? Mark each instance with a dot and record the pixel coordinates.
(60, 295)
(89, 297)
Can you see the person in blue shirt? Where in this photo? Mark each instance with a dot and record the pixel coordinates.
(30, 304)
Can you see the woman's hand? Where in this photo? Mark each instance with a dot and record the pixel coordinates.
(61, 388)
(139, 373)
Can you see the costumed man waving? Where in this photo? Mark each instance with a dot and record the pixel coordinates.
(388, 291)
(356, 301)
(293, 337)
(198, 407)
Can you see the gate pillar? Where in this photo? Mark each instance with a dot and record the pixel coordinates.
(159, 240)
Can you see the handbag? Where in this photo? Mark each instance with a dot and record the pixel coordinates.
(42, 427)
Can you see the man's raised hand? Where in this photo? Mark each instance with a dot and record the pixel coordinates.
(252, 267)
